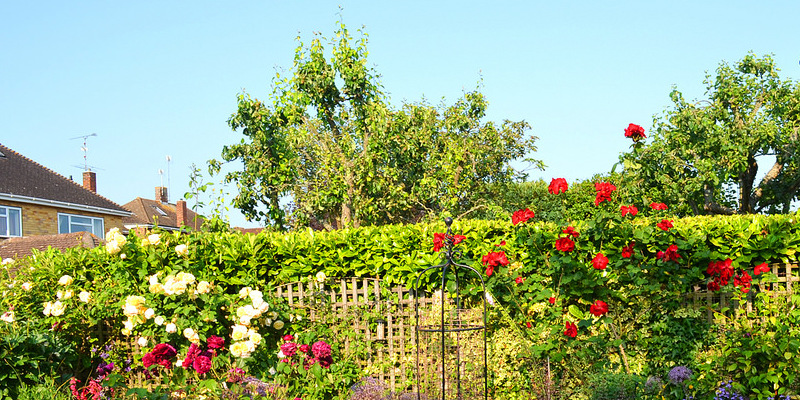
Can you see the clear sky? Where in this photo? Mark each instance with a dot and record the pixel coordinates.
(158, 78)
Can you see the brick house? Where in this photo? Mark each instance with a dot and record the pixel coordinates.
(36, 201)
(147, 213)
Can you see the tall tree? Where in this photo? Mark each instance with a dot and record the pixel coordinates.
(706, 154)
(329, 139)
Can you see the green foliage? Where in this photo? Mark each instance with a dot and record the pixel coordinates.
(705, 154)
(614, 386)
(328, 138)
(29, 357)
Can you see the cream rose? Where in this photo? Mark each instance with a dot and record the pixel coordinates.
(84, 296)
(65, 280)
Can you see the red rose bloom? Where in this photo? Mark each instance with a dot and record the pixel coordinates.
(565, 244)
(202, 364)
(571, 231)
(600, 261)
(503, 243)
(604, 190)
(671, 254)
(288, 338)
(552, 300)
(598, 308)
(215, 342)
(627, 251)
(744, 280)
(191, 354)
(665, 224)
(761, 268)
(519, 280)
(440, 239)
(570, 330)
(658, 206)
(304, 348)
(528, 324)
(625, 210)
(557, 185)
(521, 216)
(494, 259)
(634, 132)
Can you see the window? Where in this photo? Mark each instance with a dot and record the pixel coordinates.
(10, 221)
(68, 223)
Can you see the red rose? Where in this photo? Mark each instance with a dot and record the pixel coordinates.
(570, 330)
(215, 342)
(552, 300)
(521, 216)
(288, 338)
(202, 364)
(571, 231)
(191, 354)
(600, 261)
(761, 268)
(565, 244)
(440, 240)
(494, 259)
(625, 210)
(665, 224)
(557, 185)
(635, 132)
(519, 280)
(744, 280)
(490, 270)
(713, 286)
(528, 324)
(671, 254)
(658, 206)
(503, 243)
(604, 190)
(598, 308)
(627, 251)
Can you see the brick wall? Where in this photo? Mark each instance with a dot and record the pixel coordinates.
(43, 220)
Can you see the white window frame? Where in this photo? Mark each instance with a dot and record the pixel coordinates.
(100, 234)
(4, 213)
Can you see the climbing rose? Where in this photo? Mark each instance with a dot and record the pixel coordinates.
(600, 261)
(665, 224)
(761, 268)
(627, 251)
(215, 342)
(519, 280)
(521, 216)
(571, 231)
(625, 210)
(598, 308)
(635, 132)
(658, 206)
(202, 364)
(552, 300)
(743, 280)
(570, 330)
(565, 244)
(604, 190)
(558, 185)
(494, 259)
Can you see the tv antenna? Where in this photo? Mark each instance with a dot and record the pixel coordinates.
(85, 149)
(169, 189)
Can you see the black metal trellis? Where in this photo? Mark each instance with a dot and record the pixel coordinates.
(451, 340)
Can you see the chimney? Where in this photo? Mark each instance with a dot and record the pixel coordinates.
(90, 181)
(181, 213)
(161, 195)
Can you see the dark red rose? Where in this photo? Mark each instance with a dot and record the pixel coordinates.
(164, 350)
(440, 240)
(665, 224)
(565, 244)
(600, 261)
(658, 206)
(520, 216)
(304, 348)
(598, 308)
(604, 190)
(558, 185)
(570, 330)
(215, 342)
(627, 251)
(743, 280)
(571, 231)
(635, 132)
(288, 338)
(289, 348)
(671, 254)
(191, 354)
(202, 364)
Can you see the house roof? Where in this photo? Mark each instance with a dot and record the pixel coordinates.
(146, 212)
(23, 246)
(24, 180)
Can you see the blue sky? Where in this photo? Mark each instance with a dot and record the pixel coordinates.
(156, 78)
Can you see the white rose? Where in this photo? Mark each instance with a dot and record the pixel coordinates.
(171, 328)
(159, 320)
(245, 320)
(48, 308)
(65, 280)
(256, 296)
(8, 316)
(127, 324)
(153, 280)
(142, 341)
(8, 261)
(123, 256)
(154, 239)
(321, 277)
(203, 287)
(254, 337)
(112, 247)
(57, 309)
(27, 285)
(244, 292)
(84, 296)
(239, 332)
(130, 310)
(281, 355)
(278, 324)
(149, 313)
(182, 250)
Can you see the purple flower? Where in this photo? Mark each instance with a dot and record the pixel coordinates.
(679, 374)
(104, 369)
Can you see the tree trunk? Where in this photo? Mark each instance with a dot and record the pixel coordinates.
(746, 180)
(348, 219)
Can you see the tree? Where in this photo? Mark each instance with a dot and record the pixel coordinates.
(706, 154)
(329, 139)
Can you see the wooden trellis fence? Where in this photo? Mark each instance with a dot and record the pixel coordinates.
(384, 318)
(701, 298)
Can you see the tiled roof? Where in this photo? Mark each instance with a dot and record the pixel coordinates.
(146, 213)
(254, 231)
(23, 246)
(24, 178)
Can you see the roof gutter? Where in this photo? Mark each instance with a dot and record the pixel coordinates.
(62, 204)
